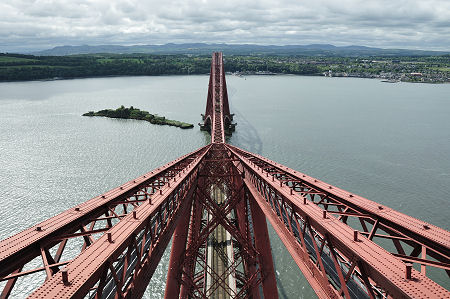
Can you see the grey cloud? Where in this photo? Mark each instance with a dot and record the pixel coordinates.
(401, 23)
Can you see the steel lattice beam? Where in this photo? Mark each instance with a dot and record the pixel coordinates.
(208, 266)
(87, 222)
(345, 267)
(217, 118)
(122, 263)
(431, 242)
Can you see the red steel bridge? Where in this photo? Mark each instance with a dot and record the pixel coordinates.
(214, 203)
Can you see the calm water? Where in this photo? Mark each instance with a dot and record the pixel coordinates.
(387, 142)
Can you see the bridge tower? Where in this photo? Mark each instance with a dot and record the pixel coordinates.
(221, 247)
(217, 106)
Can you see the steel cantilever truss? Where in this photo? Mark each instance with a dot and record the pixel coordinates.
(214, 203)
(217, 118)
(228, 252)
(226, 255)
(311, 219)
(122, 263)
(54, 243)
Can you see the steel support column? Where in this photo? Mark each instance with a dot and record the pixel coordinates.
(178, 248)
(189, 259)
(262, 243)
(249, 265)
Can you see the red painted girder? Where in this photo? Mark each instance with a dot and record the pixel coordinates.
(236, 224)
(209, 99)
(175, 271)
(213, 98)
(262, 243)
(429, 235)
(381, 266)
(217, 101)
(87, 268)
(300, 255)
(445, 266)
(222, 94)
(189, 260)
(19, 249)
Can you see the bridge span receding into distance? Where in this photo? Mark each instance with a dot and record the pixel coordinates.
(213, 203)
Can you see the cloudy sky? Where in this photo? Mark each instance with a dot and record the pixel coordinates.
(41, 24)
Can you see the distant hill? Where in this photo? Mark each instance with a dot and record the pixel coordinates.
(238, 49)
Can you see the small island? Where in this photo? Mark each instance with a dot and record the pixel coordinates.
(135, 113)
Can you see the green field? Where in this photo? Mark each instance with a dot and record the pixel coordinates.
(18, 60)
(442, 69)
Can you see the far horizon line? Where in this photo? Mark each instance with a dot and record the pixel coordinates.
(338, 46)
(253, 44)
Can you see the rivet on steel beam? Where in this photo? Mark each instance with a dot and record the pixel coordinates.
(109, 237)
(39, 229)
(134, 181)
(134, 215)
(324, 214)
(77, 209)
(144, 176)
(425, 226)
(355, 235)
(65, 277)
(408, 270)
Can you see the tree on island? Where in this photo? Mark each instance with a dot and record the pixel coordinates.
(135, 113)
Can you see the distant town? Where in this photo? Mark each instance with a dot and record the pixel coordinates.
(426, 69)
(407, 69)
